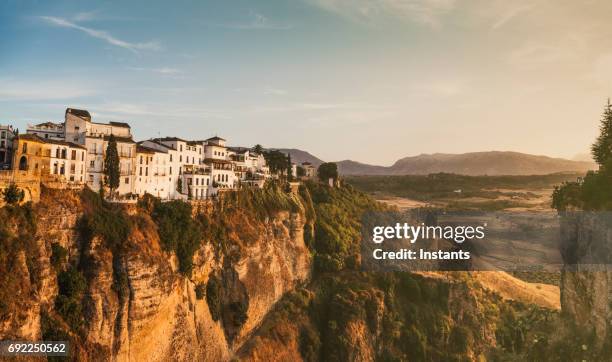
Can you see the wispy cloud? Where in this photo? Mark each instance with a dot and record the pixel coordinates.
(102, 35)
(85, 16)
(256, 21)
(165, 71)
(427, 12)
(510, 13)
(22, 90)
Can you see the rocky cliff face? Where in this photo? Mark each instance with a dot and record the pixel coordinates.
(586, 284)
(137, 306)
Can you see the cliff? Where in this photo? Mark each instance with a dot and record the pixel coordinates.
(128, 299)
(586, 282)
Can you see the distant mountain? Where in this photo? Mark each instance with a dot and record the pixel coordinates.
(348, 167)
(299, 156)
(474, 163)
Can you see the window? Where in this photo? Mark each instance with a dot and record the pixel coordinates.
(72, 168)
(92, 164)
(24, 148)
(127, 180)
(73, 155)
(170, 157)
(57, 153)
(64, 153)
(181, 148)
(91, 179)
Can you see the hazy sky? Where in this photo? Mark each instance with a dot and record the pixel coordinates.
(368, 80)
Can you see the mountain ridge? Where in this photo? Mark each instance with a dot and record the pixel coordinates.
(491, 163)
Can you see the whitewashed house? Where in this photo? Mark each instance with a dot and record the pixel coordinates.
(94, 136)
(67, 160)
(188, 175)
(222, 169)
(152, 172)
(48, 130)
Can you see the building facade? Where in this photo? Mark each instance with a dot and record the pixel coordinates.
(48, 130)
(81, 130)
(7, 134)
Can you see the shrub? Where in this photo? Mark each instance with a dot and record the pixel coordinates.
(178, 231)
(58, 256)
(68, 304)
(213, 297)
(13, 195)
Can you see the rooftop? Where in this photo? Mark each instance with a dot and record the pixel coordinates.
(79, 113)
(119, 124)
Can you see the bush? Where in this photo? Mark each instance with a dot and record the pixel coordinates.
(213, 297)
(13, 195)
(178, 231)
(58, 256)
(68, 304)
(103, 219)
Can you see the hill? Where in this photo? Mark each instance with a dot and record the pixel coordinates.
(299, 156)
(474, 163)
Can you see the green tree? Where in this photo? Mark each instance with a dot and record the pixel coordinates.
(179, 186)
(13, 194)
(301, 172)
(276, 161)
(111, 164)
(602, 148)
(328, 170)
(258, 149)
(289, 168)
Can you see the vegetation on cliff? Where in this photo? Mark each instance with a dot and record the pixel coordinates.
(594, 192)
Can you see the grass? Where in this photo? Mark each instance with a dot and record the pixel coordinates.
(443, 186)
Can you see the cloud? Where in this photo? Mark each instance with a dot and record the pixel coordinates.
(256, 21)
(102, 35)
(84, 16)
(511, 13)
(427, 12)
(165, 71)
(23, 90)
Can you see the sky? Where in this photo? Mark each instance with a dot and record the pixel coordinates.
(367, 80)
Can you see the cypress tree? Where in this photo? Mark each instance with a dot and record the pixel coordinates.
(289, 169)
(111, 164)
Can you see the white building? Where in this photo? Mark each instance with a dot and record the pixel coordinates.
(309, 170)
(6, 146)
(187, 174)
(152, 172)
(67, 160)
(48, 130)
(81, 130)
(222, 168)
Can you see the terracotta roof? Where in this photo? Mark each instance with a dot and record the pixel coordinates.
(144, 149)
(119, 124)
(79, 112)
(50, 124)
(36, 138)
(240, 150)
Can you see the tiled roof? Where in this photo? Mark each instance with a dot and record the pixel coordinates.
(119, 124)
(79, 112)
